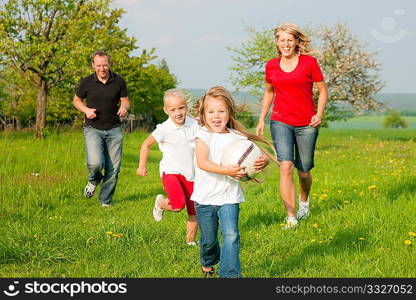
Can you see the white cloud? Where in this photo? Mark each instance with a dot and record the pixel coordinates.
(211, 38)
(127, 2)
(162, 41)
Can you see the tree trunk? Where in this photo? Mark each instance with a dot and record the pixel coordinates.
(41, 109)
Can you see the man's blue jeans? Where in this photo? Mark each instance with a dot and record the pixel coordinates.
(210, 251)
(104, 148)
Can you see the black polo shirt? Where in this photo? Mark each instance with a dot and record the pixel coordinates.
(105, 98)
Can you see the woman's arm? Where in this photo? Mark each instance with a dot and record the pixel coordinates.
(202, 154)
(322, 100)
(267, 102)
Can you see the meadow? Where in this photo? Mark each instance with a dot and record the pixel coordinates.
(362, 224)
(369, 122)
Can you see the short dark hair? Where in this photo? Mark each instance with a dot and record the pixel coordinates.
(99, 53)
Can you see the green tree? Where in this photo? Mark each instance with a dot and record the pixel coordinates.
(49, 42)
(146, 84)
(351, 73)
(394, 120)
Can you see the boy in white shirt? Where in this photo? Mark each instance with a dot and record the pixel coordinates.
(176, 142)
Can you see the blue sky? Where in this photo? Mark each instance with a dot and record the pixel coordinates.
(193, 35)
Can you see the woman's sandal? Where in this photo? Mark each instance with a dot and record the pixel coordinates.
(208, 274)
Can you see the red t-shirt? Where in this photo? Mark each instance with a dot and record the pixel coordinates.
(293, 101)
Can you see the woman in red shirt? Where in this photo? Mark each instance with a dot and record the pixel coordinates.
(295, 119)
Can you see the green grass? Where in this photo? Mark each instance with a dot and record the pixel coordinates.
(369, 122)
(363, 209)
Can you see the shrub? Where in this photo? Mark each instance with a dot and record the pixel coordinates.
(394, 120)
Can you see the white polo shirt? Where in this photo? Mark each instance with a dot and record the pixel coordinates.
(177, 146)
(211, 188)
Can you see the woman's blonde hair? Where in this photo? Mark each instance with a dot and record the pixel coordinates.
(303, 44)
(220, 93)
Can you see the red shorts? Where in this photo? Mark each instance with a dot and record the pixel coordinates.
(179, 192)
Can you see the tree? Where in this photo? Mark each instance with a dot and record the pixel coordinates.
(49, 42)
(394, 120)
(351, 73)
(146, 83)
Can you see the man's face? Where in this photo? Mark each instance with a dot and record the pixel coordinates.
(101, 66)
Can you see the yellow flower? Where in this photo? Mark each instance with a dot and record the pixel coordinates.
(118, 234)
(88, 240)
(109, 232)
(371, 187)
(361, 239)
(315, 225)
(103, 266)
(412, 233)
(313, 241)
(408, 242)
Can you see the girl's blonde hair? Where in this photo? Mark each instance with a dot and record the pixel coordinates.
(173, 93)
(220, 93)
(303, 41)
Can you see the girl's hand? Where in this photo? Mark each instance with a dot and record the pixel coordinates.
(235, 171)
(261, 163)
(141, 171)
(260, 128)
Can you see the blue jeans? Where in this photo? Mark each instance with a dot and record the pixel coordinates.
(295, 144)
(210, 251)
(104, 148)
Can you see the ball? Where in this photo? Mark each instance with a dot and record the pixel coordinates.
(242, 153)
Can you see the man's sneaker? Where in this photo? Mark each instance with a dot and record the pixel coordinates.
(158, 212)
(303, 211)
(291, 222)
(192, 243)
(105, 204)
(89, 190)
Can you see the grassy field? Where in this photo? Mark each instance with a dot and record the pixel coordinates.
(362, 224)
(369, 122)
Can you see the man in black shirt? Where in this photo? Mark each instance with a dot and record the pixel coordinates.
(106, 101)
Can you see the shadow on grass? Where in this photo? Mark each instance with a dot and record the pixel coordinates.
(267, 217)
(406, 187)
(144, 196)
(344, 242)
(129, 158)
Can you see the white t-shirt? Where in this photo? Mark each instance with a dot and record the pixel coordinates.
(177, 145)
(211, 188)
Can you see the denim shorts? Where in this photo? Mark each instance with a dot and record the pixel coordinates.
(295, 144)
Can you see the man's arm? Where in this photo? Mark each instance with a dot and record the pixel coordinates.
(79, 104)
(124, 107)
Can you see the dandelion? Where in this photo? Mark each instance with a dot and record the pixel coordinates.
(313, 241)
(118, 235)
(371, 187)
(88, 240)
(361, 239)
(109, 232)
(408, 242)
(315, 225)
(412, 233)
(103, 266)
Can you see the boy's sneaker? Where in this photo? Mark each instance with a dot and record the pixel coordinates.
(291, 222)
(89, 190)
(192, 243)
(158, 212)
(303, 211)
(105, 204)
